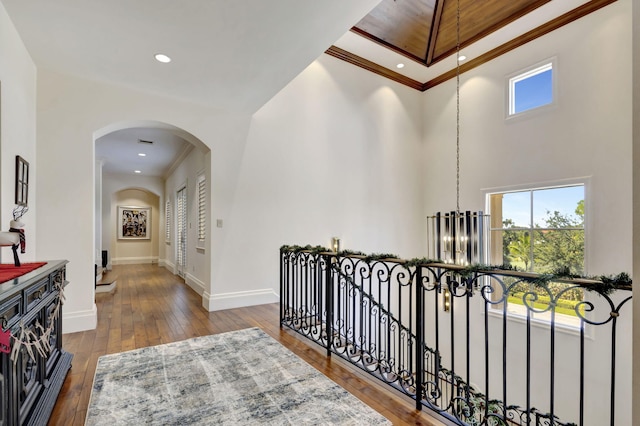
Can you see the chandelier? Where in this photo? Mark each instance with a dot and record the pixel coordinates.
(458, 237)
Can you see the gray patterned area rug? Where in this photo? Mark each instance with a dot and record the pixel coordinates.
(239, 378)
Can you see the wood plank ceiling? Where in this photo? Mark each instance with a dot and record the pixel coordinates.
(425, 30)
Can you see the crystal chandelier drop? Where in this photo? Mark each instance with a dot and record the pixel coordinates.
(458, 237)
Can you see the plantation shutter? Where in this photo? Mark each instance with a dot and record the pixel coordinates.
(202, 208)
(167, 221)
(181, 212)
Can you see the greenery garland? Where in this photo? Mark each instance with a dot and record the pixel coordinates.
(417, 261)
(312, 249)
(606, 283)
(367, 258)
(378, 256)
(475, 268)
(351, 253)
(611, 283)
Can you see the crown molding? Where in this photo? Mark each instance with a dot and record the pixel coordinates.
(368, 65)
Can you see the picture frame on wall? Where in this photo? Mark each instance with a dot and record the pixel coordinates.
(134, 223)
(22, 181)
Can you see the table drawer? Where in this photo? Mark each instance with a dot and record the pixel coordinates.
(10, 312)
(36, 293)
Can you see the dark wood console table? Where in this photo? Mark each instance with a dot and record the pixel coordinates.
(30, 384)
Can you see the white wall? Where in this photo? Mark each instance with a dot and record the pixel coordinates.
(72, 113)
(335, 153)
(17, 131)
(588, 134)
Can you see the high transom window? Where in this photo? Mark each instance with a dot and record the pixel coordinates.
(531, 89)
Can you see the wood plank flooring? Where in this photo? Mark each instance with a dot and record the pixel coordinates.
(151, 306)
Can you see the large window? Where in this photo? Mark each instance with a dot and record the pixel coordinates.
(531, 89)
(540, 230)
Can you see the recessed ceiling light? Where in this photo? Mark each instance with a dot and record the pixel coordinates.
(161, 57)
(137, 171)
(400, 65)
(461, 58)
(142, 154)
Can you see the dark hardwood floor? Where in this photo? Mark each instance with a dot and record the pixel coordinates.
(151, 306)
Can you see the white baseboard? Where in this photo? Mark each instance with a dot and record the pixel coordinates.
(134, 260)
(239, 299)
(80, 320)
(168, 266)
(195, 284)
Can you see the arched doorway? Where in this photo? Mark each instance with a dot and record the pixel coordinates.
(155, 159)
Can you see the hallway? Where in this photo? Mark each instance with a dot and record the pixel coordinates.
(151, 306)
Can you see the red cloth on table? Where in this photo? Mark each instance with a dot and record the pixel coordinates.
(9, 271)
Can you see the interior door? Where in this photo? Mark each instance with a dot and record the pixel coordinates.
(181, 246)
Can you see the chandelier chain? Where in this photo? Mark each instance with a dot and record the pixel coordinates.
(458, 106)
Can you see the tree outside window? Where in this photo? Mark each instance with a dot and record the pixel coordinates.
(540, 230)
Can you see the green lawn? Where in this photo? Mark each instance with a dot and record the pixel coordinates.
(566, 307)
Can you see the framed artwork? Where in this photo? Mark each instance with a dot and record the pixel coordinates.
(134, 223)
(22, 181)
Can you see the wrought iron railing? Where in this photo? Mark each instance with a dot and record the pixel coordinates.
(475, 363)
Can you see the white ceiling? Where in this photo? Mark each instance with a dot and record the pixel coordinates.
(119, 151)
(230, 54)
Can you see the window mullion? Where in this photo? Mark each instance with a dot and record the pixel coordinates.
(531, 226)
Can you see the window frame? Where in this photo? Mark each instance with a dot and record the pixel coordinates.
(496, 310)
(523, 74)
(532, 228)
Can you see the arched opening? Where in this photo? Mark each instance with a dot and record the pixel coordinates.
(140, 166)
(134, 227)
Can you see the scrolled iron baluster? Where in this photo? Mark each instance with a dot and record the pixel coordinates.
(488, 288)
(432, 392)
(613, 310)
(368, 360)
(383, 367)
(457, 287)
(406, 381)
(346, 266)
(531, 297)
(383, 272)
(402, 275)
(362, 268)
(465, 410)
(374, 336)
(437, 274)
(427, 281)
